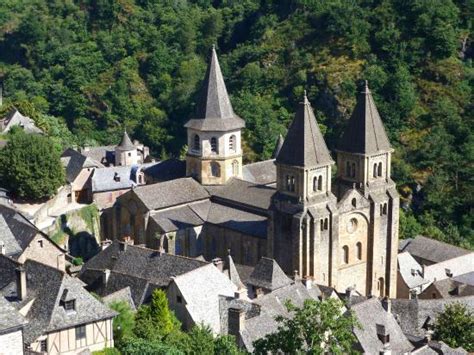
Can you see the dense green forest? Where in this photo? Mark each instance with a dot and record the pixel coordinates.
(85, 69)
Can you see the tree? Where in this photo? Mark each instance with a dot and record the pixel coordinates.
(124, 322)
(455, 326)
(319, 327)
(30, 166)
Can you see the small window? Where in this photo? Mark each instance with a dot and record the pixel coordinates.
(292, 183)
(315, 183)
(354, 202)
(40, 243)
(129, 154)
(44, 345)
(214, 147)
(353, 170)
(232, 140)
(384, 210)
(197, 143)
(215, 169)
(348, 169)
(322, 225)
(326, 224)
(81, 332)
(179, 299)
(379, 170)
(345, 254)
(70, 306)
(375, 171)
(320, 183)
(359, 250)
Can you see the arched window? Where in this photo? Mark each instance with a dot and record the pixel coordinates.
(214, 146)
(322, 224)
(292, 183)
(326, 224)
(232, 143)
(381, 209)
(384, 208)
(345, 254)
(235, 168)
(375, 170)
(354, 202)
(165, 243)
(215, 169)
(348, 169)
(315, 183)
(359, 250)
(353, 170)
(320, 183)
(197, 143)
(379, 170)
(288, 183)
(381, 287)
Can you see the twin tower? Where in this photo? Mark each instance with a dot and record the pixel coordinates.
(343, 235)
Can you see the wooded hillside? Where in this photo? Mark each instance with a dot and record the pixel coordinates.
(100, 65)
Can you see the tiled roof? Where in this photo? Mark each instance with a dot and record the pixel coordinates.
(365, 133)
(269, 275)
(123, 295)
(171, 193)
(214, 109)
(370, 313)
(304, 144)
(262, 172)
(433, 250)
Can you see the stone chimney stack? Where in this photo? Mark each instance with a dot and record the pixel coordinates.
(384, 337)
(236, 322)
(123, 246)
(387, 304)
(21, 289)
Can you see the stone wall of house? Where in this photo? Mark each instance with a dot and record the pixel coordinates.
(11, 343)
(107, 199)
(41, 249)
(177, 304)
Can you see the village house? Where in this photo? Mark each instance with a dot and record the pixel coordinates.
(11, 329)
(15, 119)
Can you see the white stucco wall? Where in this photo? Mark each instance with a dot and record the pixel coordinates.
(11, 343)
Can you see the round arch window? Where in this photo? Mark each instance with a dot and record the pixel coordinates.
(352, 225)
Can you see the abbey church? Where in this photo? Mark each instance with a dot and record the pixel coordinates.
(339, 231)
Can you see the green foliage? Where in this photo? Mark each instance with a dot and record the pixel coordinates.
(124, 323)
(78, 261)
(136, 346)
(201, 341)
(30, 166)
(107, 351)
(455, 326)
(316, 328)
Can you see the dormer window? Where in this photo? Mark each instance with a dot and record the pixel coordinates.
(448, 272)
(69, 306)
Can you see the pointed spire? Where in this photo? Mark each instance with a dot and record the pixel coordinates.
(365, 133)
(304, 144)
(126, 142)
(214, 109)
(278, 146)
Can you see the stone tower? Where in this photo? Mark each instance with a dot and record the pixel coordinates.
(304, 207)
(368, 204)
(214, 135)
(126, 153)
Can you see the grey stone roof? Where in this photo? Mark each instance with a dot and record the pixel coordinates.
(46, 286)
(278, 146)
(410, 271)
(123, 295)
(261, 173)
(165, 170)
(126, 143)
(137, 267)
(370, 313)
(201, 289)
(269, 275)
(467, 278)
(10, 318)
(102, 154)
(239, 192)
(15, 118)
(304, 144)
(74, 162)
(433, 250)
(449, 288)
(177, 218)
(412, 314)
(214, 109)
(232, 273)
(171, 193)
(436, 348)
(238, 220)
(365, 133)
(113, 178)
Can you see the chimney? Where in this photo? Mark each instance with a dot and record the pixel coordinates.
(21, 282)
(387, 304)
(2, 248)
(384, 337)
(105, 276)
(218, 263)
(116, 177)
(123, 246)
(236, 322)
(105, 244)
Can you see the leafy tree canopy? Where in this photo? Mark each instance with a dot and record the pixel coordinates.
(455, 326)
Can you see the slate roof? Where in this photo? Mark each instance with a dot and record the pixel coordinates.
(410, 271)
(433, 250)
(436, 348)
(450, 268)
(304, 144)
(102, 154)
(268, 274)
(74, 162)
(214, 109)
(370, 313)
(15, 118)
(201, 289)
(171, 193)
(261, 173)
(10, 318)
(278, 146)
(165, 170)
(240, 192)
(104, 179)
(232, 273)
(126, 143)
(412, 314)
(449, 288)
(140, 268)
(238, 220)
(123, 295)
(365, 133)
(46, 286)
(177, 218)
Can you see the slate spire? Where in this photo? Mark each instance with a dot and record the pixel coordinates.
(278, 146)
(214, 110)
(304, 144)
(365, 133)
(126, 142)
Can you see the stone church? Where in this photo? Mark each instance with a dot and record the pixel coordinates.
(340, 232)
